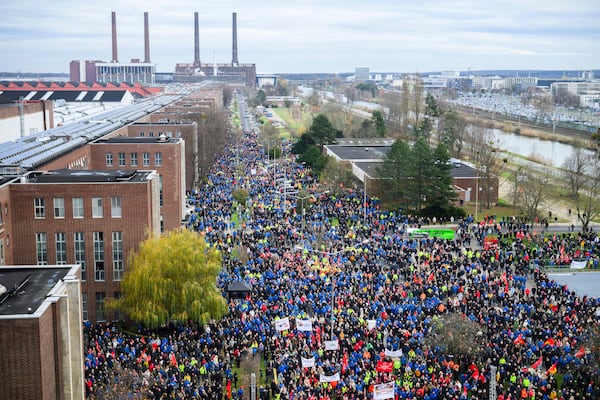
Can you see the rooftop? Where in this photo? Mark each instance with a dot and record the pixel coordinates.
(90, 176)
(33, 285)
(359, 152)
(29, 152)
(139, 139)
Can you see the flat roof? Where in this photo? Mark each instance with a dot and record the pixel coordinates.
(29, 297)
(459, 169)
(359, 152)
(365, 141)
(90, 176)
(139, 139)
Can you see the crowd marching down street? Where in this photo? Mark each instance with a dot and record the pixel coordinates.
(343, 304)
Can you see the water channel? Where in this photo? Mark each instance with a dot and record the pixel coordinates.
(551, 152)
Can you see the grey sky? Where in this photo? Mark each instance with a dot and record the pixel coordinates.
(308, 35)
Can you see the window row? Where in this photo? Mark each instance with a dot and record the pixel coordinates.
(100, 308)
(58, 204)
(167, 134)
(133, 159)
(60, 243)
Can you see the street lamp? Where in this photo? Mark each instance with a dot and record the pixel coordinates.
(333, 254)
(308, 196)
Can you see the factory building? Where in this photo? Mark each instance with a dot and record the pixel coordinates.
(232, 73)
(135, 71)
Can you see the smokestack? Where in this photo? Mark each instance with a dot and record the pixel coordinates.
(196, 41)
(146, 39)
(115, 58)
(234, 57)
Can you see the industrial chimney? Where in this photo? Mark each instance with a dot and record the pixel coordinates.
(115, 58)
(196, 41)
(146, 39)
(234, 56)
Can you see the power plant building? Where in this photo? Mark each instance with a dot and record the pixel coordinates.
(135, 71)
(234, 72)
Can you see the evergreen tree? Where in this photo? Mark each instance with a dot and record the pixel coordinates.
(321, 130)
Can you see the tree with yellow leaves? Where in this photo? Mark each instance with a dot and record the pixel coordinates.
(172, 278)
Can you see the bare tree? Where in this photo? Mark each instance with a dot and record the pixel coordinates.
(337, 177)
(392, 113)
(404, 107)
(582, 173)
(534, 191)
(574, 171)
(124, 383)
(544, 105)
(417, 98)
(457, 335)
(486, 159)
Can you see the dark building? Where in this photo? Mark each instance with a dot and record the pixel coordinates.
(40, 333)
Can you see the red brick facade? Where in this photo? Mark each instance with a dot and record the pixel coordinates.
(139, 215)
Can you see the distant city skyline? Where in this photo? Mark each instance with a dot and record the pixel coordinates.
(308, 35)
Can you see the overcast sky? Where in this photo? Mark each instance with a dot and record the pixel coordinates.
(308, 35)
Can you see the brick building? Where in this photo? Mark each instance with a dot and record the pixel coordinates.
(40, 333)
(91, 218)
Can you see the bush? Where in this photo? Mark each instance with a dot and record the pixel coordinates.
(240, 195)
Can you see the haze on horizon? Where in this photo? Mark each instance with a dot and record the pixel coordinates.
(309, 35)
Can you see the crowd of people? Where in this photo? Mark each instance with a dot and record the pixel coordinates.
(342, 300)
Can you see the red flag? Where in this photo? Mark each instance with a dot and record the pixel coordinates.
(385, 366)
(229, 388)
(549, 342)
(552, 370)
(581, 352)
(430, 278)
(519, 340)
(537, 364)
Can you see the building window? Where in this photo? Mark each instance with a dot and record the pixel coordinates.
(142, 133)
(115, 207)
(118, 314)
(79, 241)
(134, 158)
(2, 256)
(117, 249)
(59, 207)
(151, 134)
(60, 240)
(158, 160)
(99, 256)
(41, 248)
(146, 159)
(109, 160)
(97, 207)
(121, 159)
(84, 306)
(77, 207)
(39, 207)
(1, 219)
(160, 190)
(100, 306)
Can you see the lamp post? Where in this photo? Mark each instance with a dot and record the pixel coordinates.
(308, 196)
(333, 254)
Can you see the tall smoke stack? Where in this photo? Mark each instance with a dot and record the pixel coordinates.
(234, 57)
(115, 58)
(146, 39)
(196, 41)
